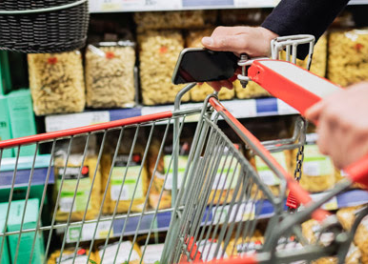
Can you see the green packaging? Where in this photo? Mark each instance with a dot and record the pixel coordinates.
(5, 128)
(26, 240)
(5, 253)
(22, 118)
(5, 84)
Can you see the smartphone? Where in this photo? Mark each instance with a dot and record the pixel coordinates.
(203, 65)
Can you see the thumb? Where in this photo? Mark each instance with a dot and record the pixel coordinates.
(314, 112)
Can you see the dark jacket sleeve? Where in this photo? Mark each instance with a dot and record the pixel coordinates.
(303, 17)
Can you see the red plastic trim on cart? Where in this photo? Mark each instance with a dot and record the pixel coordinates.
(357, 171)
(300, 194)
(285, 89)
(84, 129)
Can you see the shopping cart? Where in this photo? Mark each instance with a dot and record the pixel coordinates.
(103, 197)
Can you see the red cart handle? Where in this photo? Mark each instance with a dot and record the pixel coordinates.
(301, 89)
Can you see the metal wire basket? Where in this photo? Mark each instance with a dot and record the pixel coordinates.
(43, 26)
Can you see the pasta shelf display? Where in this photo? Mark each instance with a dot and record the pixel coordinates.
(56, 82)
(159, 51)
(110, 74)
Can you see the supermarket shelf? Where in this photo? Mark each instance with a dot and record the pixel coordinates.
(161, 223)
(103, 6)
(24, 171)
(239, 108)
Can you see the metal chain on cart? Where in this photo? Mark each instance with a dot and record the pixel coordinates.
(300, 154)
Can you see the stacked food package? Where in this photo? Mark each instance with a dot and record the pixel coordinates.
(318, 173)
(347, 52)
(159, 51)
(56, 82)
(110, 74)
(176, 19)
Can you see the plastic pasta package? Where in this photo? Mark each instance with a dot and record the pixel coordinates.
(347, 62)
(311, 231)
(266, 174)
(176, 19)
(159, 51)
(207, 250)
(347, 217)
(252, 90)
(162, 181)
(127, 187)
(318, 173)
(226, 179)
(242, 246)
(200, 92)
(69, 176)
(110, 74)
(123, 251)
(68, 256)
(56, 82)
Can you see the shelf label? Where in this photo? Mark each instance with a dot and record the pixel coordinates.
(242, 212)
(60, 122)
(285, 109)
(329, 205)
(256, 3)
(88, 231)
(241, 108)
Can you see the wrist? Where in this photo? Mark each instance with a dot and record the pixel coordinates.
(268, 35)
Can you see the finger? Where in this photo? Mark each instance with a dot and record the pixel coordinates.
(313, 113)
(322, 131)
(215, 85)
(224, 31)
(225, 43)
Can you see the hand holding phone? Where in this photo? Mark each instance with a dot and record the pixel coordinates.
(203, 65)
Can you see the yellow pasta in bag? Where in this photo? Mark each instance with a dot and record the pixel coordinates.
(69, 179)
(318, 173)
(128, 182)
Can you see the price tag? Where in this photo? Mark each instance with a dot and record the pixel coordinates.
(285, 109)
(241, 108)
(329, 205)
(60, 122)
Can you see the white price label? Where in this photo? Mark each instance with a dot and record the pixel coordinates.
(66, 204)
(242, 212)
(312, 168)
(60, 122)
(285, 109)
(329, 205)
(241, 108)
(122, 254)
(115, 191)
(153, 253)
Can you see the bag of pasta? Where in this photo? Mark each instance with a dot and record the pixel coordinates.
(110, 74)
(347, 53)
(266, 174)
(56, 82)
(318, 172)
(122, 253)
(76, 170)
(127, 186)
(242, 246)
(174, 20)
(347, 217)
(162, 181)
(226, 179)
(68, 256)
(200, 92)
(159, 51)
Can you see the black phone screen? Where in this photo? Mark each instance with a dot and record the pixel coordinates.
(205, 65)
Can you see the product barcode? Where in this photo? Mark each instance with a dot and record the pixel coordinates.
(66, 204)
